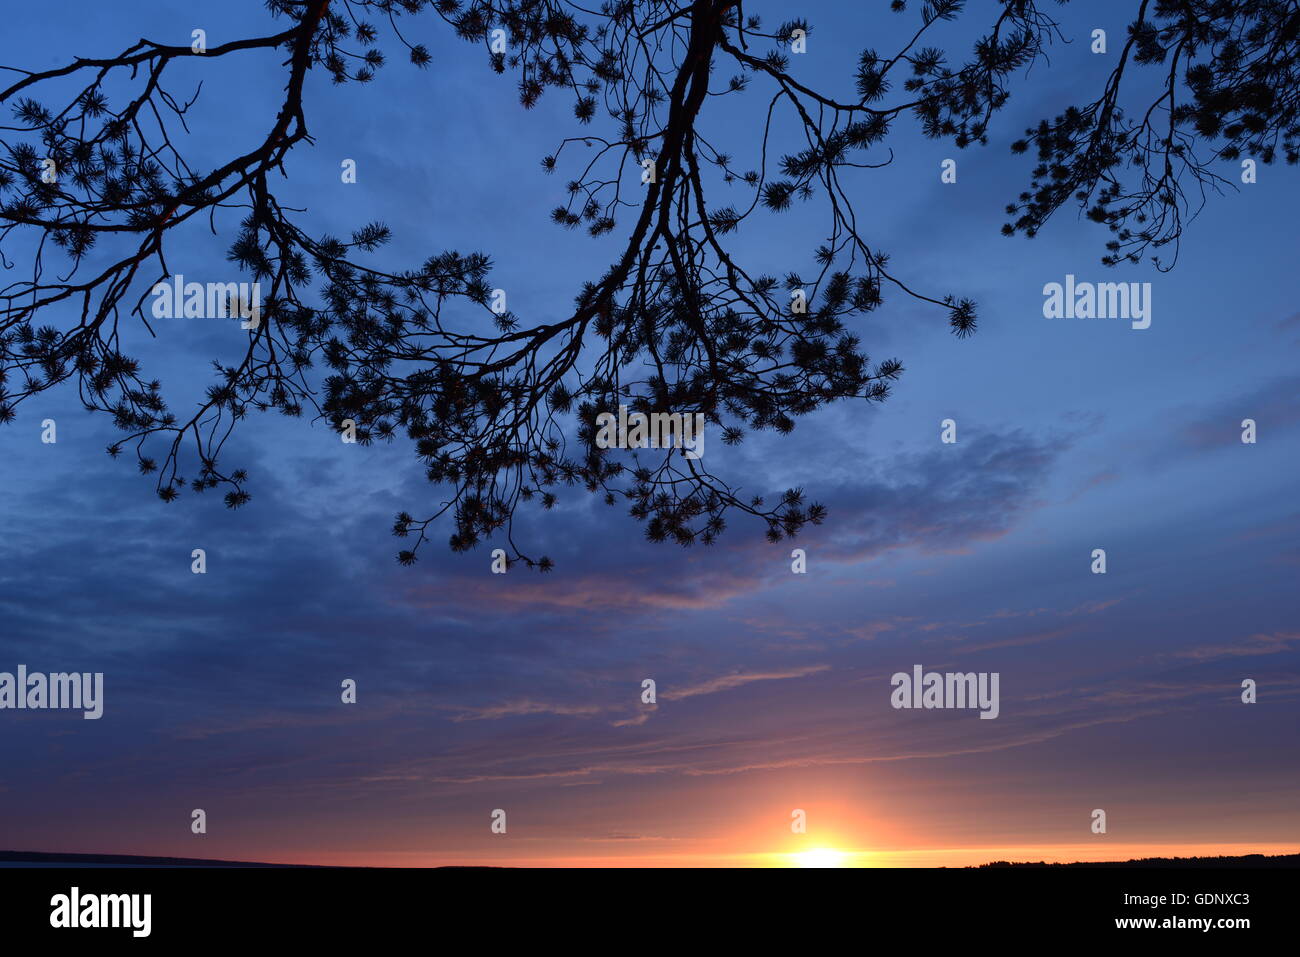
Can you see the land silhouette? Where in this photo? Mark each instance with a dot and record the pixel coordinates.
(44, 859)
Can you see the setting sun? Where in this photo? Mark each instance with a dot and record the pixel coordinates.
(819, 857)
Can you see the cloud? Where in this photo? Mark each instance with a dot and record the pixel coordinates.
(1258, 644)
(1289, 324)
(942, 500)
(528, 706)
(728, 682)
(1029, 638)
(945, 499)
(525, 706)
(1274, 405)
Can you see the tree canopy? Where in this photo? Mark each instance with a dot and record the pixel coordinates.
(501, 410)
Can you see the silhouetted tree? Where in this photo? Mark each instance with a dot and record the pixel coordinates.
(674, 323)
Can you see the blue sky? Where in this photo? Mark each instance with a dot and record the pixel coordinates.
(522, 692)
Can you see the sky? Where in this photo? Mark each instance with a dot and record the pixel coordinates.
(521, 692)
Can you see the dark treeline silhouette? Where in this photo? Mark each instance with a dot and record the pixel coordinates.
(1243, 860)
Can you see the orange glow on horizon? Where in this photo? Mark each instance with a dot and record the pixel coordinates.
(815, 857)
(820, 857)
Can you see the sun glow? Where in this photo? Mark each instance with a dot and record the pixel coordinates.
(819, 857)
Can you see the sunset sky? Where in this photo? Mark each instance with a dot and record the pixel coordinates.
(523, 692)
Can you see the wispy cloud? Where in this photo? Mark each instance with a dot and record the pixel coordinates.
(728, 682)
(1257, 644)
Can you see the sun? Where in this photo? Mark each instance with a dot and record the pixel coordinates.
(819, 857)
